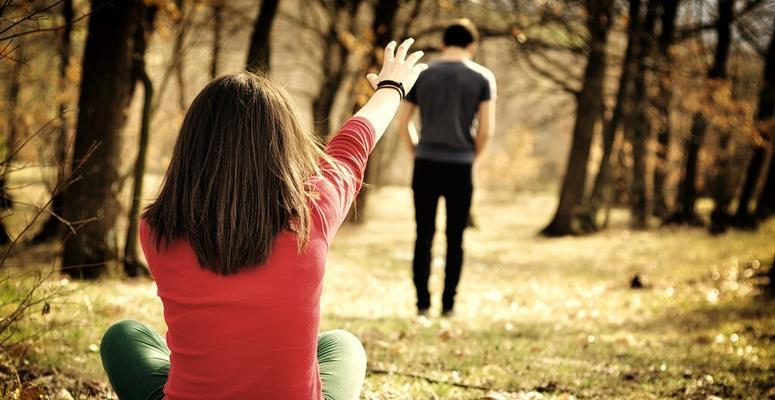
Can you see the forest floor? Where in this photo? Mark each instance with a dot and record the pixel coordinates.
(536, 318)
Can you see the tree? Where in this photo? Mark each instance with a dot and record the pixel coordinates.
(639, 124)
(588, 103)
(52, 227)
(132, 265)
(10, 143)
(382, 28)
(765, 204)
(179, 56)
(687, 191)
(601, 182)
(661, 102)
(259, 50)
(764, 115)
(215, 52)
(336, 44)
(107, 83)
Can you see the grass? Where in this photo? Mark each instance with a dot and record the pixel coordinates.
(536, 318)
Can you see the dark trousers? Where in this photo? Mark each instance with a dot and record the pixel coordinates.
(431, 180)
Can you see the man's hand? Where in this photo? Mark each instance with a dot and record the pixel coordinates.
(406, 127)
(486, 126)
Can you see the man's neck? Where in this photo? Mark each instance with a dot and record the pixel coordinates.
(455, 54)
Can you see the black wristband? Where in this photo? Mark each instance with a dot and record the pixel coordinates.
(393, 84)
(392, 87)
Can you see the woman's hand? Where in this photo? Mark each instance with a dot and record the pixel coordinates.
(396, 66)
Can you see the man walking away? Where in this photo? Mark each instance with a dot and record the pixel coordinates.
(456, 98)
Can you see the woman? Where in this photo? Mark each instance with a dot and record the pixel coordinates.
(237, 240)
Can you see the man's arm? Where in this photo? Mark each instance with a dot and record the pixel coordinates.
(486, 125)
(406, 126)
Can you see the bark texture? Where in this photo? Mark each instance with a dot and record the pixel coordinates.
(259, 50)
(91, 203)
(588, 103)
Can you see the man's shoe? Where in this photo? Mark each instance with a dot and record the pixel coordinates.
(448, 313)
(422, 312)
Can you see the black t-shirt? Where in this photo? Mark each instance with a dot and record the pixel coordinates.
(448, 94)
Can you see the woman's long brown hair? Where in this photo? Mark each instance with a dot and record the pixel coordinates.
(238, 175)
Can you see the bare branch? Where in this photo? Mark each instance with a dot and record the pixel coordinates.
(29, 16)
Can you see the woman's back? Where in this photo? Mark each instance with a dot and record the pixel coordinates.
(227, 332)
(254, 334)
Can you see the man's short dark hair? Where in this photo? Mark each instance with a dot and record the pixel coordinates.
(461, 33)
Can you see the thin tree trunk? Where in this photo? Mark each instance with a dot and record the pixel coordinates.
(721, 188)
(334, 67)
(216, 47)
(639, 124)
(686, 213)
(132, 265)
(180, 39)
(91, 203)
(719, 217)
(664, 66)
(588, 103)
(765, 112)
(611, 192)
(334, 64)
(612, 125)
(382, 28)
(622, 179)
(324, 103)
(6, 202)
(765, 204)
(52, 227)
(259, 50)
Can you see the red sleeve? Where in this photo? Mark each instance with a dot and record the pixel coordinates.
(350, 148)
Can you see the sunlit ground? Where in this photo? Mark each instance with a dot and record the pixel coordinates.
(536, 318)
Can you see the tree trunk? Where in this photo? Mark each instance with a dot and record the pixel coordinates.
(334, 64)
(91, 203)
(719, 217)
(588, 103)
(132, 265)
(6, 202)
(639, 124)
(721, 188)
(52, 226)
(382, 28)
(612, 125)
(661, 103)
(765, 204)
(180, 40)
(216, 47)
(686, 213)
(324, 103)
(259, 50)
(765, 112)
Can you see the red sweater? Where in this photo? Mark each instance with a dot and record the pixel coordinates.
(253, 335)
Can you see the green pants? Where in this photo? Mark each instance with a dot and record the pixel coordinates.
(137, 362)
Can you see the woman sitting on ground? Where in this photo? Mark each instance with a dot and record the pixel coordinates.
(237, 242)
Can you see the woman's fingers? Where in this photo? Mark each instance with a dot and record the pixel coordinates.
(413, 58)
(390, 51)
(373, 80)
(403, 49)
(420, 67)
